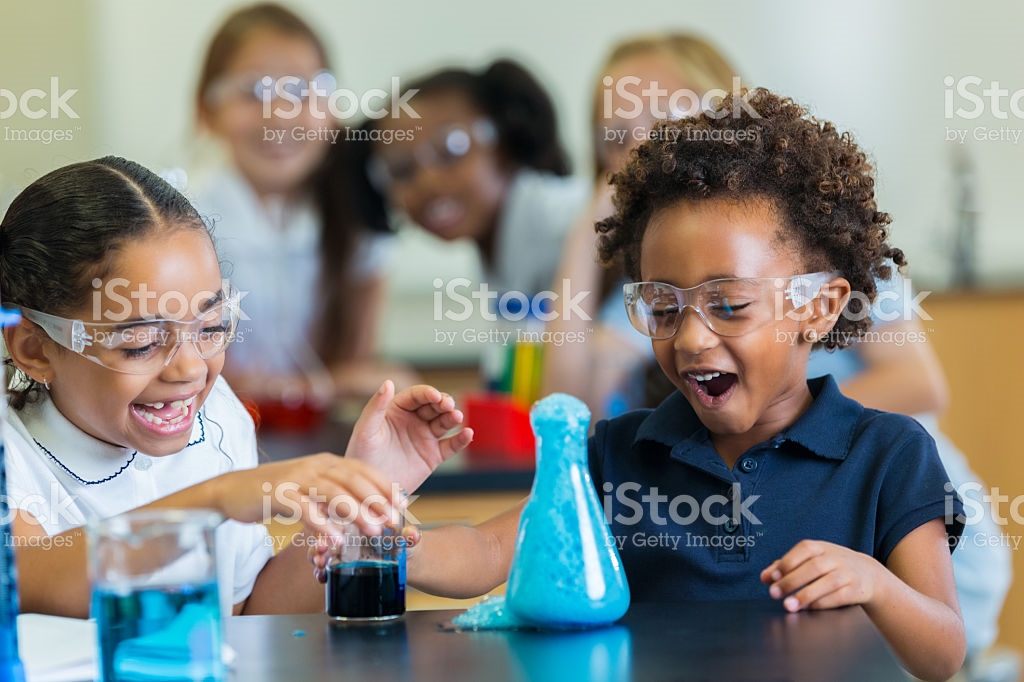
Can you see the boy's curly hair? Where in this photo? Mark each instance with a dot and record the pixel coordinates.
(816, 178)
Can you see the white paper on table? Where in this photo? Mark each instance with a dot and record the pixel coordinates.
(55, 649)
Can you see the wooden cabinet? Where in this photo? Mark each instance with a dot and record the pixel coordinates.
(978, 336)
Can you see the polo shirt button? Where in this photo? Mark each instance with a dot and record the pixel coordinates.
(142, 463)
(730, 526)
(748, 465)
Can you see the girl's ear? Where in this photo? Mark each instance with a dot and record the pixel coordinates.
(826, 309)
(27, 345)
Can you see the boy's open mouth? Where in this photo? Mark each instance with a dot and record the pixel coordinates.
(712, 388)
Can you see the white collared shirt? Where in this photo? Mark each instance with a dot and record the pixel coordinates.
(66, 478)
(539, 212)
(270, 250)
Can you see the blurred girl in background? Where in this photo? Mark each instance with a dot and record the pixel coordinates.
(599, 370)
(313, 275)
(485, 163)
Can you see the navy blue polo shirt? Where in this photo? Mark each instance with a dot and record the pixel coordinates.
(689, 528)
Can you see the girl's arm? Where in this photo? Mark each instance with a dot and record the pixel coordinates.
(593, 368)
(567, 367)
(464, 561)
(399, 429)
(911, 600)
(54, 577)
(901, 374)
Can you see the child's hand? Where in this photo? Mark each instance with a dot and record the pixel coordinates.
(316, 487)
(403, 436)
(319, 553)
(822, 575)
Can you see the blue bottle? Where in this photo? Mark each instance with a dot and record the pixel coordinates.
(566, 571)
(10, 663)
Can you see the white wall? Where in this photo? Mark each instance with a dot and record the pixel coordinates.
(875, 68)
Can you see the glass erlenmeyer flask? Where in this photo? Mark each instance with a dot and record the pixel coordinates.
(566, 571)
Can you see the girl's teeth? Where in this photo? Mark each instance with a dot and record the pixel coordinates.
(706, 377)
(182, 405)
(153, 419)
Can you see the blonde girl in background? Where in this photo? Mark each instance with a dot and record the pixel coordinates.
(601, 370)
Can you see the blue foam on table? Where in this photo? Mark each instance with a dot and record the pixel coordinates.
(566, 572)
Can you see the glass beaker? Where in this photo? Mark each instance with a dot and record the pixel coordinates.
(155, 597)
(366, 576)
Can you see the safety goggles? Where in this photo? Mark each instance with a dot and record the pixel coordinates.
(265, 89)
(444, 149)
(729, 307)
(143, 346)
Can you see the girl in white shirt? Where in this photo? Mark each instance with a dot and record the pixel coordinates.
(282, 215)
(117, 400)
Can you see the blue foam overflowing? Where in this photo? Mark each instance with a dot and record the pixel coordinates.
(566, 572)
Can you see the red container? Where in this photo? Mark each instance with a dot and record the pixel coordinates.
(501, 428)
(278, 415)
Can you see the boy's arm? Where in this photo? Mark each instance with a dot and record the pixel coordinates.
(911, 600)
(465, 561)
(285, 585)
(917, 609)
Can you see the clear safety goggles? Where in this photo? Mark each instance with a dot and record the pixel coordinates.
(265, 89)
(729, 307)
(444, 149)
(143, 346)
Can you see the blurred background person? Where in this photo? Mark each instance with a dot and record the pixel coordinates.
(485, 163)
(280, 208)
(607, 370)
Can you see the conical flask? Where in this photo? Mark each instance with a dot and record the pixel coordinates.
(566, 571)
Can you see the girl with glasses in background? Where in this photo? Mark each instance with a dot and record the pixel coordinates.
(482, 162)
(280, 209)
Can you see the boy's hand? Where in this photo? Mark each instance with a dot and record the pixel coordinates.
(319, 553)
(403, 435)
(822, 575)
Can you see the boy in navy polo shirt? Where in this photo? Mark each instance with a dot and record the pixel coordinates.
(744, 236)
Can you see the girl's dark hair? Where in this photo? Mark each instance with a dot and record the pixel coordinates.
(235, 30)
(66, 228)
(507, 94)
(515, 102)
(816, 178)
(347, 205)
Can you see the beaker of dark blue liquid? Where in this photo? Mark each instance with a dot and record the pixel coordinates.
(366, 576)
(566, 571)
